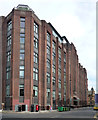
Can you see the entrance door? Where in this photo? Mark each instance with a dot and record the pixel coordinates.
(75, 102)
(23, 107)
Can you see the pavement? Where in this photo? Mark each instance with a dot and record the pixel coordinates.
(74, 113)
(41, 111)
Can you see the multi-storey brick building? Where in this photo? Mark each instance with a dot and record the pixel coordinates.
(37, 67)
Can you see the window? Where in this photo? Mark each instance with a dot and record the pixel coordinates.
(64, 67)
(36, 27)
(35, 91)
(21, 56)
(21, 67)
(22, 51)
(35, 42)
(64, 77)
(21, 74)
(21, 90)
(35, 57)
(64, 97)
(64, 88)
(35, 73)
(48, 63)
(48, 37)
(53, 68)
(64, 57)
(48, 50)
(9, 28)
(8, 41)
(8, 56)
(7, 90)
(53, 56)
(48, 77)
(22, 40)
(53, 80)
(53, 94)
(59, 84)
(22, 24)
(22, 35)
(59, 73)
(48, 93)
(8, 75)
(59, 96)
(59, 52)
(53, 46)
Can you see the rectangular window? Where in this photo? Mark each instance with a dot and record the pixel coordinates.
(35, 73)
(35, 91)
(48, 93)
(53, 80)
(36, 27)
(48, 50)
(59, 73)
(53, 94)
(8, 41)
(8, 56)
(22, 22)
(53, 69)
(59, 52)
(48, 77)
(22, 40)
(8, 90)
(22, 51)
(8, 75)
(53, 46)
(53, 56)
(35, 57)
(64, 77)
(35, 42)
(21, 74)
(9, 28)
(48, 63)
(59, 96)
(21, 90)
(64, 57)
(59, 84)
(21, 56)
(64, 67)
(21, 67)
(22, 35)
(48, 38)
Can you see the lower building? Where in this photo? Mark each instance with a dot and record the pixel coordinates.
(37, 68)
(91, 97)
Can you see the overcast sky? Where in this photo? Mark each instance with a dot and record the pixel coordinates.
(75, 19)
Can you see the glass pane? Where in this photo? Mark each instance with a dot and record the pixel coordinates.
(22, 24)
(22, 35)
(22, 39)
(21, 74)
(21, 56)
(21, 92)
(22, 67)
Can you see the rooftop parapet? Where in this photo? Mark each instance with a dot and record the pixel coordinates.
(23, 7)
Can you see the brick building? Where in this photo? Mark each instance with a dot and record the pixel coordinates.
(37, 66)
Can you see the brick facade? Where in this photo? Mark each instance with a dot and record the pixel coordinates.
(76, 76)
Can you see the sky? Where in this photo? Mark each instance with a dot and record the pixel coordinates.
(75, 19)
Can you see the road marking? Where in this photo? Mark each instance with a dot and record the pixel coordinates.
(96, 115)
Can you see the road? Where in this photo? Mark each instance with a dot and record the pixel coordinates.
(75, 113)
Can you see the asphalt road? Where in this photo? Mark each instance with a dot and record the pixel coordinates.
(75, 113)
